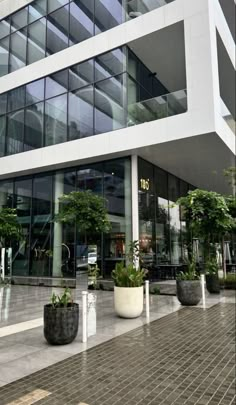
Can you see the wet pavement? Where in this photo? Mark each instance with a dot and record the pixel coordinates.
(185, 358)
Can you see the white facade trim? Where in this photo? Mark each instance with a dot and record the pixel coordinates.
(10, 6)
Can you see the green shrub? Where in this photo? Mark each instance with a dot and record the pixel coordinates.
(128, 276)
(63, 300)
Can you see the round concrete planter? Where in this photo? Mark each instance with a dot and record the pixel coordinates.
(128, 301)
(213, 283)
(61, 324)
(188, 291)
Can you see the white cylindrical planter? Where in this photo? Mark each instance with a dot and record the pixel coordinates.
(128, 301)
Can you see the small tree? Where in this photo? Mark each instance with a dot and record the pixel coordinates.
(207, 216)
(10, 228)
(85, 209)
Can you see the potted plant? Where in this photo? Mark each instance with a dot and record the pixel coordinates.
(212, 278)
(128, 289)
(188, 287)
(61, 319)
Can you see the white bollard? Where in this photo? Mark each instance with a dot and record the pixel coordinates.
(84, 316)
(203, 290)
(147, 299)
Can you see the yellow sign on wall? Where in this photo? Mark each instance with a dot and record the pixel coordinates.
(144, 184)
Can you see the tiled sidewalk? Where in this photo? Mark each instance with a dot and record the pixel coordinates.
(185, 358)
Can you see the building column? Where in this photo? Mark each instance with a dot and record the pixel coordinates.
(57, 239)
(134, 197)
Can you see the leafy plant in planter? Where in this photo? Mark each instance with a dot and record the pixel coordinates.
(207, 217)
(188, 287)
(212, 278)
(61, 319)
(128, 280)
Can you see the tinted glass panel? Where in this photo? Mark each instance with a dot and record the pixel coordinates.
(109, 105)
(81, 22)
(4, 28)
(33, 127)
(2, 135)
(56, 120)
(19, 19)
(81, 113)
(41, 226)
(81, 75)
(57, 84)
(107, 17)
(16, 98)
(4, 56)
(57, 30)
(54, 4)
(6, 194)
(109, 64)
(18, 50)
(15, 132)
(36, 41)
(3, 103)
(35, 92)
(37, 9)
(22, 203)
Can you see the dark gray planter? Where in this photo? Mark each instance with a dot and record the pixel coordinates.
(188, 291)
(213, 283)
(61, 324)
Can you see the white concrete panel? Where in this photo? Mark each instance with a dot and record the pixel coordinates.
(10, 6)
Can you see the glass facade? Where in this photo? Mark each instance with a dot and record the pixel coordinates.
(108, 92)
(45, 27)
(161, 228)
(51, 249)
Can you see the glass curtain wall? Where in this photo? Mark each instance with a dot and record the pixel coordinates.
(50, 249)
(161, 228)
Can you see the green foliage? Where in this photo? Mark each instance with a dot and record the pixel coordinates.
(93, 274)
(85, 209)
(128, 276)
(191, 273)
(63, 300)
(10, 228)
(207, 212)
(211, 266)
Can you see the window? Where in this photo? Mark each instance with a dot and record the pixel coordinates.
(34, 127)
(19, 20)
(57, 30)
(4, 56)
(15, 132)
(18, 50)
(2, 135)
(81, 113)
(56, 120)
(57, 84)
(36, 41)
(37, 9)
(81, 75)
(35, 92)
(81, 21)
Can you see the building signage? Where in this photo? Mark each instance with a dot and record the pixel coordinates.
(144, 184)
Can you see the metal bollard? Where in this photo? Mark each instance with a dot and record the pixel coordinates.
(203, 290)
(84, 316)
(147, 299)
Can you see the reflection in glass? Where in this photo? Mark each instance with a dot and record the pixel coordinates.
(107, 17)
(57, 84)
(162, 231)
(3, 103)
(2, 135)
(57, 30)
(22, 203)
(18, 50)
(15, 132)
(81, 21)
(56, 120)
(35, 92)
(6, 194)
(4, 28)
(37, 9)
(33, 127)
(19, 19)
(80, 114)
(109, 64)
(41, 253)
(174, 218)
(36, 41)
(109, 105)
(81, 75)
(4, 56)
(16, 98)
